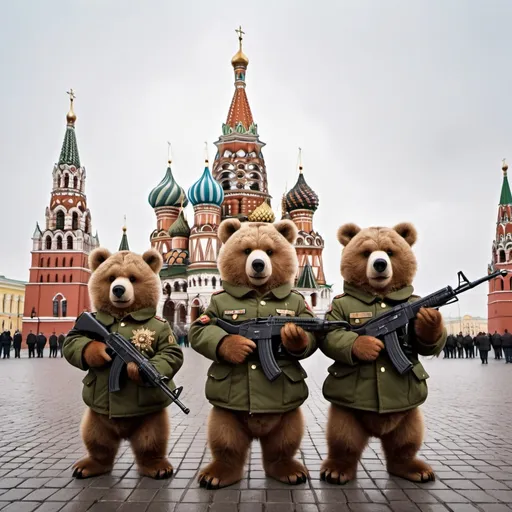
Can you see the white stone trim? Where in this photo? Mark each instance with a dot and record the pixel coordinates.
(74, 283)
(29, 320)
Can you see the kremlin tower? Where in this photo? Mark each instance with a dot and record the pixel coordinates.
(499, 304)
(57, 290)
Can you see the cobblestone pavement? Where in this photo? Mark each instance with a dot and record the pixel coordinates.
(468, 442)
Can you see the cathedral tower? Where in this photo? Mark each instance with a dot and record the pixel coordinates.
(57, 290)
(499, 304)
(239, 165)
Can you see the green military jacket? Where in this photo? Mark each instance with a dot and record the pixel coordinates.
(372, 385)
(244, 387)
(153, 337)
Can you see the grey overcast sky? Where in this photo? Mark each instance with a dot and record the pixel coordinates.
(402, 109)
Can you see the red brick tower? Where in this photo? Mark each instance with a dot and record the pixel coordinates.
(239, 166)
(499, 303)
(57, 290)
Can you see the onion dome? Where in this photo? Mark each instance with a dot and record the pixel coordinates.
(301, 196)
(263, 213)
(239, 59)
(206, 190)
(180, 227)
(167, 192)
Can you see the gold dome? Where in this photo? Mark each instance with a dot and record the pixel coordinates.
(240, 59)
(504, 166)
(71, 116)
(262, 214)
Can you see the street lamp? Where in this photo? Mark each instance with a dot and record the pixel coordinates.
(33, 314)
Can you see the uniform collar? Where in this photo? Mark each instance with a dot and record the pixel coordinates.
(140, 316)
(241, 291)
(396, 296)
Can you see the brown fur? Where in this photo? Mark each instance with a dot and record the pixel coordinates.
(230, 433)
(148, 434)
(348, 430)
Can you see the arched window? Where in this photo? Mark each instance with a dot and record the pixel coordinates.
(206, 282)
(71, 262)
(510, 283)
(176, 286)
(70, 243)
(56, 278)
(502, 256)
(66, 181)
(71, 278)
(64, 306)
(75, 182)
(314, 298)
(59, 243)
(56, 262)
(500, 284)
(75, 221)
(194, 282)
(64, 262)
(60, 220)
(63, 279)
(200, 281)
(48, 242)
(47, 278)
(87, 225)
(55, 307)
(48, 262)
(40, 279)
(255, 186)
(41, 262)
(214, 282)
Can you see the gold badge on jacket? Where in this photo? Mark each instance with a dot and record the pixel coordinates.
(143, 338)
(285, 312)
(234, 313)
(362, 314)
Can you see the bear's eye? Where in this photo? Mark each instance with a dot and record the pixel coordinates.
(270, 252)
(112, 279)
(389, 252)
(132, 279)
(366, 254)
(247, 251)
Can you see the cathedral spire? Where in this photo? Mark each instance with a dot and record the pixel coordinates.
(123, 246)
(69, 152)
(506, 196)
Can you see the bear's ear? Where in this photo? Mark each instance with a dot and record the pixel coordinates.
(347, 232)
(97, 257)
(154, 259)
(407, 231)
(227, 228)
(288, 229)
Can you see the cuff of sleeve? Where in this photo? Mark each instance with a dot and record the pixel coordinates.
(215, 336)
(431, 349)
(346, 351)
(76, 357)
(310, 348)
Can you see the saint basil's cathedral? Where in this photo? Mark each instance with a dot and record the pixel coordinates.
(234, 185)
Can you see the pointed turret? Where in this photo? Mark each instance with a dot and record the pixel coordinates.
(69, 152)
(123, 246)
(307, 279)
(506, 196)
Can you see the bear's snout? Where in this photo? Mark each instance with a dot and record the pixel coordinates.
(258, 266)
(118, 291)
(380, 265)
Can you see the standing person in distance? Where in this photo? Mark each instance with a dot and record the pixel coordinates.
(31, 344)
(17, 339)
(506, 340)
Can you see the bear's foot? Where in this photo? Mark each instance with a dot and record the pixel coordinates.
(288, 471)
(337, 472)
(218, 474)
(88, 467)
(414, 470)
(159, 469)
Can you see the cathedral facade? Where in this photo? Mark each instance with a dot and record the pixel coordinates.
(234, 185)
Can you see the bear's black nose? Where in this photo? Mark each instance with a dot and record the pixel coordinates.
(258, 266)
(118, 291)
(380, 265)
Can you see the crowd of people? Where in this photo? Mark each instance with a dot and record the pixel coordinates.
(461, 346)
(36, 344)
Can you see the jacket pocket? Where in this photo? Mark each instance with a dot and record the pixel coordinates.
(417, 384)
(218, 384)
(341, 383)
(294, 386)
(89, 382)
(150, 397)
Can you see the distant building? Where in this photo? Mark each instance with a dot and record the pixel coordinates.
(468, 324)
(12, 299)
(499, 304)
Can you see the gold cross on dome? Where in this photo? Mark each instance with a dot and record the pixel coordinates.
(239, 31)
(71, 94)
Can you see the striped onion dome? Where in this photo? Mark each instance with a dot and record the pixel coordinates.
(301, 196)
(206, 190)
(167, 192)
(180, 227)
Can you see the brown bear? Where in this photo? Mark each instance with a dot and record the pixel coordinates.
(368, 396)
(258, 265)
(125, 289)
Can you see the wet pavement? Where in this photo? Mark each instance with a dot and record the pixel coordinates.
(468, 442)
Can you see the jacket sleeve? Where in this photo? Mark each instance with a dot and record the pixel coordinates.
(304, 312)
(205, 338)
(430, 350)
(338, 344)
(73, 349)
(168, 358)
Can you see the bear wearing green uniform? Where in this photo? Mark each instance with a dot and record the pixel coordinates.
(258, 265)
(368, 396)
(125, 289)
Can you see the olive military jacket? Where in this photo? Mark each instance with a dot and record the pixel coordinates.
(373, 385)
(244, 387)
(153, 337)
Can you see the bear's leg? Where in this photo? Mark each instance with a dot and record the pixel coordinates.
(229, 443)
(149, 444)
(346, 440)
(102, 443)
(400, 447)
(280, 446)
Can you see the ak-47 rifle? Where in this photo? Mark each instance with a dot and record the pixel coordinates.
(385, 326)
(124, 352)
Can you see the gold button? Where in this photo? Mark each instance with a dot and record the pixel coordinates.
(253, 367)
(357, 320)
(263, 303)
(122, 324)
(235, 316)
(382, 305)
(382, 369)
